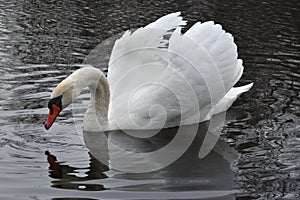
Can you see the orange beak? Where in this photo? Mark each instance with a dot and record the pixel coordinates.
(53, 113)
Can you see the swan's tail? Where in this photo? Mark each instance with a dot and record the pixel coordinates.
(229, 98)
(236, 91)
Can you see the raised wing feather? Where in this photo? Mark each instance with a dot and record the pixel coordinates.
(137, 48)
(203, 68)
(136, 59)
(155, 87)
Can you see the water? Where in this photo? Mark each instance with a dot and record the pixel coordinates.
(41, 42)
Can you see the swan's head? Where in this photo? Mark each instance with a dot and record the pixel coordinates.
(68, 90)
(61, 96)
(55, 106)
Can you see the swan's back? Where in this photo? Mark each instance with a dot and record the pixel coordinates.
(161, 78)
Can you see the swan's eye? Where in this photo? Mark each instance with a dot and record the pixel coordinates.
(55, 101)
(51, 111)
(49, 106)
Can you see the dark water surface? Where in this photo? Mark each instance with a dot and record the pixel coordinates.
(258, 156)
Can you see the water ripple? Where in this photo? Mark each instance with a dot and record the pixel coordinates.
(41, 40)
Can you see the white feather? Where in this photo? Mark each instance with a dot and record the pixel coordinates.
(186, 83)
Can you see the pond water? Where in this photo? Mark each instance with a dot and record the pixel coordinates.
(257, 156)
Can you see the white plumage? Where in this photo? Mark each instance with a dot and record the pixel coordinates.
(159, 77)
(155, 87)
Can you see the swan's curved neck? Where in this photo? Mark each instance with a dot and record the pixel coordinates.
(95, 118)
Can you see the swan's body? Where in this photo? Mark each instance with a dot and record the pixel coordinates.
(154, 82)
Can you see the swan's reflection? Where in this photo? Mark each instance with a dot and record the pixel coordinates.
(212, 173)
(65, 178)
(124, 152)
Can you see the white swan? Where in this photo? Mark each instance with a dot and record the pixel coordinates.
(158, 78)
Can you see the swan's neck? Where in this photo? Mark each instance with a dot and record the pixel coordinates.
(96, 115)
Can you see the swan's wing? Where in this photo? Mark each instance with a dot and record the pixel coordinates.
(138, 48)
(203, 67)
(198, 70)
(137, 59)
(209, 50)
(204, 62)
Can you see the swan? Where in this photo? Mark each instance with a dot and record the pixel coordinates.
(158, 77)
